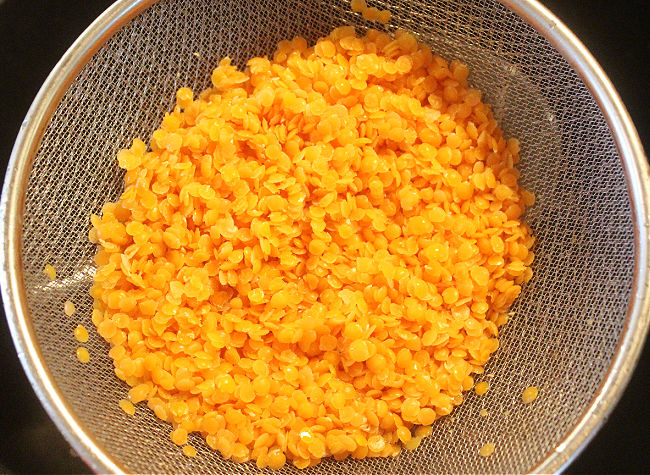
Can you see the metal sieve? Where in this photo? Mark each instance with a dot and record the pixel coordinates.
(578, 326)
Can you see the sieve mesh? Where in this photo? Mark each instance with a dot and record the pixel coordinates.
(567, 323)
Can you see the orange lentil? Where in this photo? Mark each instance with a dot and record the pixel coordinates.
(358, 5)
(276, 459)
(189, 451)
(370, 13)
(481, 388)
(82, 355)
(384, 16)
(139, 393)
(376, 443)
(486, 450)
(426, 416)
(403, 434)
(81, 334)
(179, 436)
(529, 394)
(413, 443)
(49, 272)
(127, 407)
(68, 308)
(318, 241)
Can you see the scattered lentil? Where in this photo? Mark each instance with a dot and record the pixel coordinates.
(83, 355)
(189, 451)
(81, 334)
(358, 5)
(486, 450)
(303, 262)
(370, 13)
(384, 16)
(68, 308)
(481, 388)
(127, 406)
(49, 272)
(529, 395)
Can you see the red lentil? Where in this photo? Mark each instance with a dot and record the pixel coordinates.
(313, 257)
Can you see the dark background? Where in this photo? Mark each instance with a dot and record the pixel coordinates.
(33, 36)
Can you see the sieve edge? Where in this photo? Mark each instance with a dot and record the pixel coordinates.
(626, 137)
(11, 207)
(637, 175)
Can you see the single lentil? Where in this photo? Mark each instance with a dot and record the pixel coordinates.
(49, 272)
(423, 431)
(313, 257)
(529, 394)
(189, 451)
(82, 355)
(384, 16)
(413, 443)
(127, 407)
(358, 5)
(68, 308)
(81, 334)
(481, 388)
(486, 450)
(179, 436)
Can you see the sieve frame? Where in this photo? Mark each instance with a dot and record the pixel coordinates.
(627, 141)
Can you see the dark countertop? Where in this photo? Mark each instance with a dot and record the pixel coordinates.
(33, 36)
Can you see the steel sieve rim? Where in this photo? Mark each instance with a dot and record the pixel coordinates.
(31, 132)
(11, 206)
(637, 175)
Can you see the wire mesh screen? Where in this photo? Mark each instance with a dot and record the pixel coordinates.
(567, 322)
